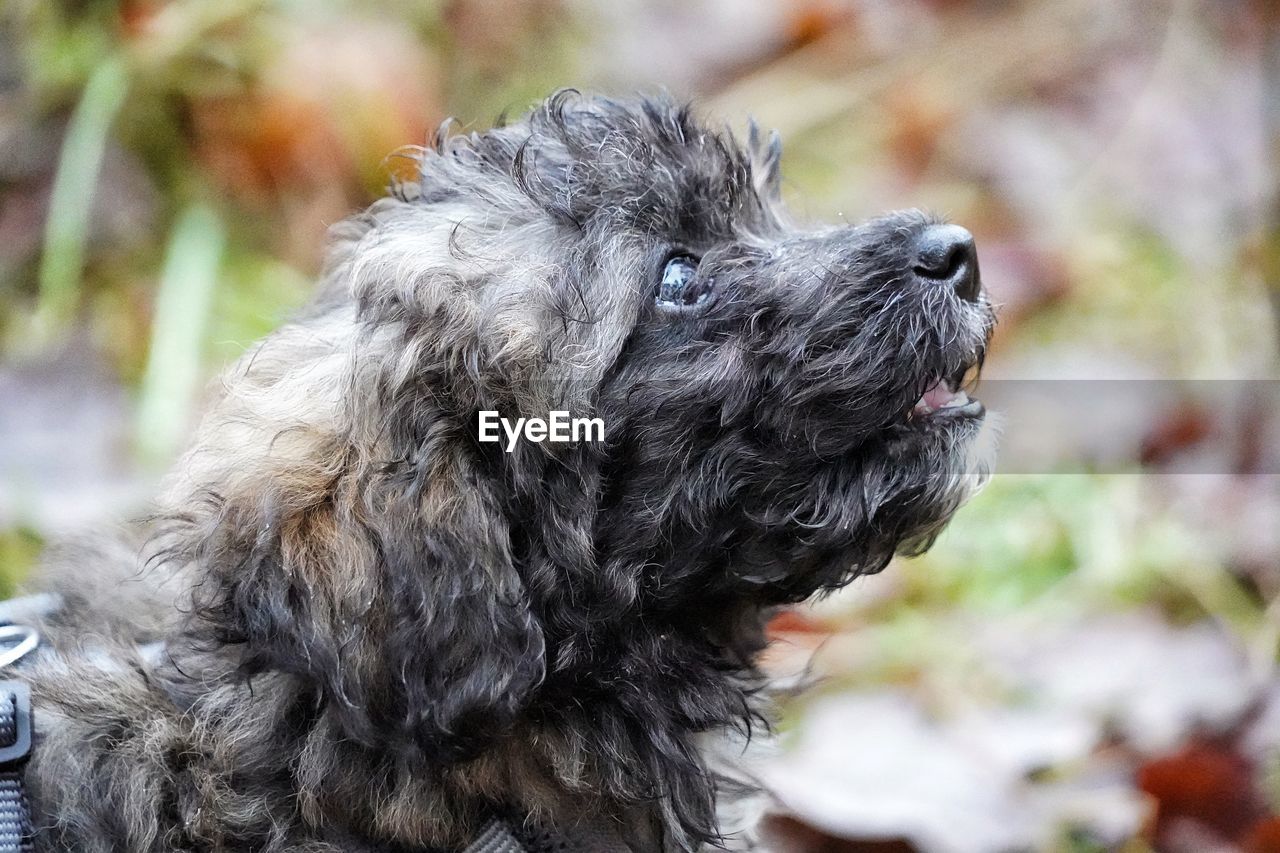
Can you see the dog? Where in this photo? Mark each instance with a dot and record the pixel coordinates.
(353, 625)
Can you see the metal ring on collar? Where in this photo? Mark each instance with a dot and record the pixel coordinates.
(16, 642)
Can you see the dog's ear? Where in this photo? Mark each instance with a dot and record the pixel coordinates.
(372, 561)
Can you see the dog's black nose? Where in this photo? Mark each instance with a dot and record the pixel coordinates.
(945, 254)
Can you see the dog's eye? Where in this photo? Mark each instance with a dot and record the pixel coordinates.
(680, 286)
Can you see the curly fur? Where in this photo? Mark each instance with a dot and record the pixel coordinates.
(378, 630)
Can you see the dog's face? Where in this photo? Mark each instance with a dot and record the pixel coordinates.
(787, 410)
(779, 403)
(781, 411)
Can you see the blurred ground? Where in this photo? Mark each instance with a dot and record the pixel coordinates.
(1087, 659)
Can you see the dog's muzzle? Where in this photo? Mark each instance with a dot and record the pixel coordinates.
(945, 256)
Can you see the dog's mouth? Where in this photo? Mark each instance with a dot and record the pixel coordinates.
(947, 398)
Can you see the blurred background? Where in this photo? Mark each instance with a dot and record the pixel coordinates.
(1087, 660)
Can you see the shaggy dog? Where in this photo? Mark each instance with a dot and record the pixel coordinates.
(357, 627)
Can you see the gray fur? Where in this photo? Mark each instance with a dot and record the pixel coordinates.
(377, 632)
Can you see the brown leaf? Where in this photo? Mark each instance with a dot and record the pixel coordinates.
(1207, 783)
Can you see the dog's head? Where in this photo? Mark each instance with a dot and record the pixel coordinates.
(781, 408)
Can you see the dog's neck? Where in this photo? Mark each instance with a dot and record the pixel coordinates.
(613, 732)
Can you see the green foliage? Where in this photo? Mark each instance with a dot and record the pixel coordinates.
(19, 549)
(182, 309)
(66, 227)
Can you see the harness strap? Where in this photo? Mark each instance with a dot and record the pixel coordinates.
(499, 836)
(15, 748)
(496, 838)
(17, 640)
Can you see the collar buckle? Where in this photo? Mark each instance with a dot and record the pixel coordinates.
(15, 723)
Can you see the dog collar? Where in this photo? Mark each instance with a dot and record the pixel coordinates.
(503, 836)
(16, 642)
(497, 837)
(15, 749)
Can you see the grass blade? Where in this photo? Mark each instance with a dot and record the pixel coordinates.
(70, 203)
(183, 301)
